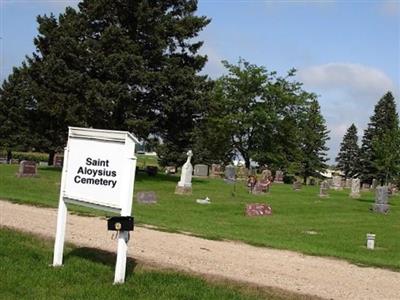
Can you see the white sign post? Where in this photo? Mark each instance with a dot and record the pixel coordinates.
(98, 172)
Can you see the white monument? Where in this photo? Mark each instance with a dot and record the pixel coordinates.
(184, 185)
(355, 188)
(98, 172)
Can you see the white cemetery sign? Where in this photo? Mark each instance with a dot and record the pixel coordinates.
(98, 172)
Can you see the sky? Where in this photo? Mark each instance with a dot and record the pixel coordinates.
(347, 52)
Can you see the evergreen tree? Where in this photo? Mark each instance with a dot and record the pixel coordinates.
(379, 151)
(123, 64)
(15, 112)
(314, 137)
(348, 157)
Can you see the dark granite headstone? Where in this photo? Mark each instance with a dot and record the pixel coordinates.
(146, 197)
(151, 170)
(27, 169)
(258, 209)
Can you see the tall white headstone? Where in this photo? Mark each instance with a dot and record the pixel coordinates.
(184, 185)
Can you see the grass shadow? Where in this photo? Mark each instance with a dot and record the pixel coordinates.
(102, 257)
(372, 201)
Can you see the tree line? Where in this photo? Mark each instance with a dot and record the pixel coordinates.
(379, 155)
(134, 65)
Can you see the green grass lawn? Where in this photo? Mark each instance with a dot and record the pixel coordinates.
(88, 274)
(341, 223)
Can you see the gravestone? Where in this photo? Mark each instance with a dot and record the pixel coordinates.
(278, 177)
(330, 182)
(242, 173)
(365, 187)
(170, 170)
(266, 175)
(381, 200)
(262, 187)
(230, 174)
(146, 197)
(200, 170)
(184, 185)
(312, 181)
(58, 160)
(374, 184)
(27, 169)
(323, 189)
(251, 184)
(151, 170)
(258, 209)
(355, 188)
(349, 183)
(337, 183)
(216, 170)
(297, 185)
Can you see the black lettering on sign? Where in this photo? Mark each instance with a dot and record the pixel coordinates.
(96, 176)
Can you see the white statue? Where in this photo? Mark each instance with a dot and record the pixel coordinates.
(187, 170)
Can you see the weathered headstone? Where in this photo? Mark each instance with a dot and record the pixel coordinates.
(230, 174)
(258, 209)
(170, 170)
(184, 185)
(200, 170)
(216, 170)
(337, 183)
(266, 175)
(330, 182)
(374, 184)
(355, 188)
(278, 177)
(365, 186)
(146, 197)
(323, 189)
(349, 183)
(3, 160)
(381, 200)
(58, 160)
(251, 184)
(27, 169)
(312, 181)
(297, 185)
(242, 173)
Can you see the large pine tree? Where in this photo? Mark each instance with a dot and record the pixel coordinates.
(348, 157)
(379, 150)
(314, 138)
(123, 64)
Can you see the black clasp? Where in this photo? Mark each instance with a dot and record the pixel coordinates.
(120, 223)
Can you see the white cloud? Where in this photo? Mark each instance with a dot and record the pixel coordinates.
(348, 93)
(353, 78)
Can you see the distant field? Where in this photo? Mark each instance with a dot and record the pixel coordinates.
(301, 221)
(89, 274)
